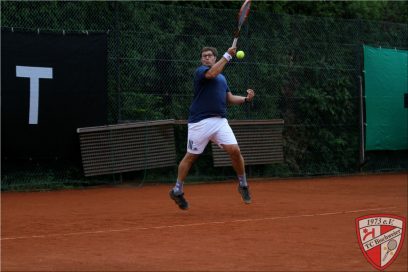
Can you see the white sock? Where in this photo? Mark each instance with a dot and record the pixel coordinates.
(243, 181)
(178, 188)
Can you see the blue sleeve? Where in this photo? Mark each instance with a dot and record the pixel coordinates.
(200, 72)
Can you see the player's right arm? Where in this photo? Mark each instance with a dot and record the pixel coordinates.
(217, 68)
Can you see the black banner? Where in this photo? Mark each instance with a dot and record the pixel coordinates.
(51, 84)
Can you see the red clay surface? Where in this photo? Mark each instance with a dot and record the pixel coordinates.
(292, 225)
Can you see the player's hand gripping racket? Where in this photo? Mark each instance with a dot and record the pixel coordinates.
(242, 16)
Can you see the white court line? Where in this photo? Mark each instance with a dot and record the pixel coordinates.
(194, 224)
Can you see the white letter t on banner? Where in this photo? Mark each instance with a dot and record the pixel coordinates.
(34, 73)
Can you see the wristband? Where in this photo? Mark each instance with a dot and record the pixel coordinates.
(227, 56)
(245, 100)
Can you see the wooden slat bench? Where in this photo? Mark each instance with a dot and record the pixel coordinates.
(127, 147)
(260, 141)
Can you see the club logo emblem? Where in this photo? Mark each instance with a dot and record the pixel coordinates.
(380, 237)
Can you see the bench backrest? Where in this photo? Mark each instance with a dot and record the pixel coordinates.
(127, 147)
(260, 141)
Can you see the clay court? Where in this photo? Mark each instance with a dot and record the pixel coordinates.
(292, 225)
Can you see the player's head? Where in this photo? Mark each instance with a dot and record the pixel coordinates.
(208, 56)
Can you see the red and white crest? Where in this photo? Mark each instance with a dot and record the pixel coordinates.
(380, 237)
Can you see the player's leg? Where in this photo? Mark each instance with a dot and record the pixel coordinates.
(198, 138)
(183, 169)
(225, 138)
(177, 193)
(236, 158)
(239, 167)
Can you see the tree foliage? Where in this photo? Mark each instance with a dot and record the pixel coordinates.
(390, 11)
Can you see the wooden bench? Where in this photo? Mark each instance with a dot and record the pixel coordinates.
(146, 145)
(260, 141)
(127, 147)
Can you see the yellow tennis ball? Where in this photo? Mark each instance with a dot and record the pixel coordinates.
(240, 54)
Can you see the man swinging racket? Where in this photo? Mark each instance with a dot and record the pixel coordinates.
(207, 121)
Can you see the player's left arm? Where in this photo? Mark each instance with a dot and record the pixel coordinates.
(237, 99)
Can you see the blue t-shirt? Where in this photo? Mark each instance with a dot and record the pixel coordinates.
(210, 96)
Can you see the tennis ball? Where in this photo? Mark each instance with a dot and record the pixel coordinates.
(240, 54)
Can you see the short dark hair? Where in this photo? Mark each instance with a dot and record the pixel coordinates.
(208, 48)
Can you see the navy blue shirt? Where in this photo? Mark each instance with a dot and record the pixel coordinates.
(210, 96)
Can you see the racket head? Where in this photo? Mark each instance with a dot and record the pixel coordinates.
(392, 244)
(244, 12)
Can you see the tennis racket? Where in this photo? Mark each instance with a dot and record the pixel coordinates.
(392, 244)
(242, 16)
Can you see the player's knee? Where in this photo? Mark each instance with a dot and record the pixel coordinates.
(190, 158)
(233, 150)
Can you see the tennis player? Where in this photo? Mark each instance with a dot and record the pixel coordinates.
(207, 121)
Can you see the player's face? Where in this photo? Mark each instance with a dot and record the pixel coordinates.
(208, 58)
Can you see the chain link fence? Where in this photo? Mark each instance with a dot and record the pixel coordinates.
(305, 70)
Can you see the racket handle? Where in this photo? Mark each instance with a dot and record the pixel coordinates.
(234, 43)
(385, 256)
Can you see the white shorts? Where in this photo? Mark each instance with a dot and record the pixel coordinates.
(215, 129)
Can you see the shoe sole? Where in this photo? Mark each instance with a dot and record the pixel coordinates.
(245, 201)
(175, 200)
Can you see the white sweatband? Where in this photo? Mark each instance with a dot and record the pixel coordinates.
(227, 56)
